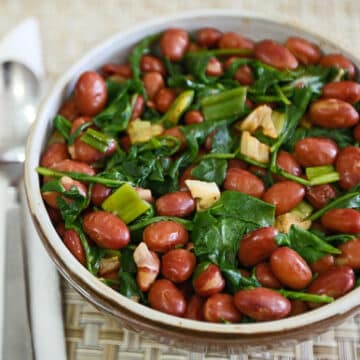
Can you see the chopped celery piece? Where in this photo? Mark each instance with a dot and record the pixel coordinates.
(278, 119)
(141, 131)
(177, 108)
(315, 171)
(325, 179)
(303, 210)
(125, 203)
(97, 140)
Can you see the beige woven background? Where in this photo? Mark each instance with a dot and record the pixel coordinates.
(71, 27)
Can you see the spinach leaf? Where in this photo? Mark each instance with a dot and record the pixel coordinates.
(129, 288)
(235, 281)
(310, 246)
(211, 170)
(196, 65)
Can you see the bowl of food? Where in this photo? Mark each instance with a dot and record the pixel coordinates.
(197, 178)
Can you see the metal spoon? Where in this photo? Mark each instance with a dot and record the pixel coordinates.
(19, 97)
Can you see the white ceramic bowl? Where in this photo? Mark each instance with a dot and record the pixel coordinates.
(194, 335)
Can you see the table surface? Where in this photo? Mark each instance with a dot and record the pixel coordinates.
(69, 28)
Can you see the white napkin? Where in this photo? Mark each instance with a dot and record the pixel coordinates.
(23, 44)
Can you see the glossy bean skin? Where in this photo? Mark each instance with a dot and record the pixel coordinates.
(208, 37)
(165, 235)
(221, 307)
(274, 54)
(306, 52)
(106, 230)
(150, 63)
(285, 195)
(288, 163)
(138, 108)
(244, 75)
(178, 203)
(122, 70)
(232, 40)
(73, 243)
(333, 113)
(319, 195)
(356, 133)
(173, 43)
(257, 246)
(335, 282)
(164, 98)
(99, 194)
(262, 304)
(74, 166)
(266, 277)
(53, 154)
(348, 165)
(348, 91)
(244, 181)
(153, 82)
(186, 175)
(298, 307)
(193, 117)
(350, 254)
(194, 308)
(339, 61)
(69, 109)
(345, 221)
(209, 282)
(90, 93)
(178, 265)
(290, 268)
(214, 67)
(316, 151)
(323, 264)
(54, 215)
(237, 164)
(165, 297)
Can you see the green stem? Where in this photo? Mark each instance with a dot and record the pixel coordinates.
(296, 295)
(217, 156)
(325, 179)
(140, 225)
(220, 52)
(97, 140)
(63, 126)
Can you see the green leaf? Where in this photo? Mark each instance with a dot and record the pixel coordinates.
(235, 281)
(211, 170)
(129, 288)
(63, 126)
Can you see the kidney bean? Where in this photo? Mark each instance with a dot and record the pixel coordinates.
(244, 75)
(232, 40)
(335, 282)
(316, 151)
(209, 139)
(288, 163)
(290, 268)
(348, 91)
(165, 235)
(342, 220)
(208, 37)
(221, 307)
(178, 265)
(323, 264)
(69, 109)
(150, 63)
(257, 170)
(236, 164)
(272, 53)
(106, 229)
(333, 113)
(123, 70)
(348, 165)
(51, 197)
(193, 117)
(266, 277)
(356, 133)
(74, 166)
(262, 304)
(214, 67)
(298, 307)
(153, 82)
(53, 154)
(90, 93)
(350, 254)
(209, 282)
(138, 108)
(164, 98)
(186, 288)
(306, 52)
(99, 194)
(257, 246)
(178, 203)
(186, 175)
(73, 243)
(319, 195)
(174, 43)
(176, 132)
(125, 143)
(194, 308)
(54, 215)
(60, 229)
(339, 61)
(166, 297)
(244, 181)
(285, 195)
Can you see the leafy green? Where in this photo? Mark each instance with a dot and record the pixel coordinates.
(129, 287)
(306, 243)
(235, 281)
(63, 126)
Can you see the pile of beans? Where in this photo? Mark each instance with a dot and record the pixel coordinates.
(165, 260)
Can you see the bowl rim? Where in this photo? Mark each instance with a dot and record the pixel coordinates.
(88, 285)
